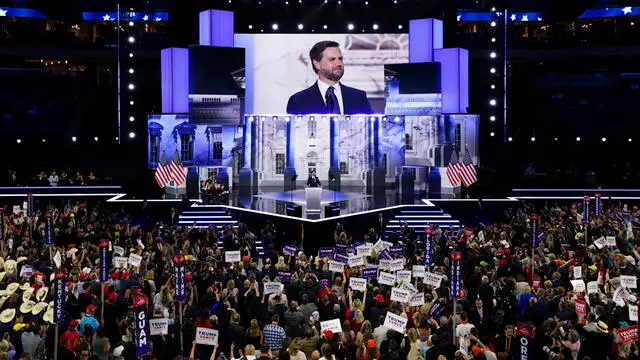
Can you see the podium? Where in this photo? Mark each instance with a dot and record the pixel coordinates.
(312, 197)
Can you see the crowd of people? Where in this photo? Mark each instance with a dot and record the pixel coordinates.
(360, 297)
(55, 178)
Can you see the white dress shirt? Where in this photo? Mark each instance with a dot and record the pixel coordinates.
(323, 91)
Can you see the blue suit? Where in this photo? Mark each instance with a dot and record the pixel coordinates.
(310, 101)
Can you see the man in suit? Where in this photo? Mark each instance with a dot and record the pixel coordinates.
(480, 317)
(328, 95)
(173, 217)
(313, 180)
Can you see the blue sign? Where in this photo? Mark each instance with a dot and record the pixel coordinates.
(385, 254)
(454, 290)
(30, 205)
(326, 252)
(494, 16)
(179, 278)
(48, 228)
(370, 273)
(585, 210)
(141, 324)
(21, 13)
(341, 257)
(598, 206)
(611, 12)
(428, 256)
(125, 16)
(60, 296)
(535, 228)
(397, 251)
(104, 261)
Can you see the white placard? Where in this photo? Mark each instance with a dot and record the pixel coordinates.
(633, 312)
(403, 276)
(378, 246)
(26, 271)
(610, 241)
(409, 287)
(272, 288)
(432, 279)
(336, 266)
(628, 281)
(135, 259)
(599, 242)
(385, 278)
(592, 287)
(418, 271)
(578, 285)
(120, 262)
(206, 336)
(359, 284)
(400, 295)
(364, 250)
(16, 209)
(397, 264)
(333, 325)
(416, 299)
(395, 322)
(57, 258)
(619, 295)
(232, 256)
(159, 326)
(356, 260)
(118, 250)
(384, 264)
(577, 272)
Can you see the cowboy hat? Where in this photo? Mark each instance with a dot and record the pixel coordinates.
(42, 293)
(27, 306)
(2, 300)
(21, 259)
(7, 315)
(11, 288)
(71, 252)
(48, 316)
(26, 295)
(602, 327)
(37, 309)
(25, 286)
(10, 265)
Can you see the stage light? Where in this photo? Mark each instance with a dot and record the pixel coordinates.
(509, 139)
(323, 118)
(96, 139)
(131, 23)
(493, 55)
(250, 27)
(493, 39)
(326, 1)
(366, 3)
(324, 27)
(287, 118)
(350, 27)
(132, 135)
(604, 139)
(132, 39)
(274, 26)
(399, 27)
(130, 55)
(375, 26)
(556, 139)
(286, 2)
(300, 26)
(630, 140)
(395, 1)
(493, 24)
(131, 118)
(73, 138)
(18, 140)
(493, 102)
(44, 140)
(397, 119)
(493, 8)
(533, 139)
(250, 118)
(492, 134)
(492, 118)
(339, 2)
(131, 71)
(131, 102)
(298, 117)
(492, 70)
(131, 86)
(578, 139)
(117, 138)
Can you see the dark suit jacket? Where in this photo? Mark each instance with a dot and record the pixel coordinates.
(310, 101)
(483, 325)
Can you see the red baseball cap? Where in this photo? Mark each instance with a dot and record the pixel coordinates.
(328, 334)
(91, 309)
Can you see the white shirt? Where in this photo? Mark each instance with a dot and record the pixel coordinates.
(323, 91)
(463, 330)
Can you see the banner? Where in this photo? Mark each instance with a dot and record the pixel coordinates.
(358, 283)
(523, 348)
(105, 262)
(206, 336)
(232, 256)
(272, 288)
(428, 253)
(628, 334)
(159, 326)
(60, 295)
(370, 273)
(30, 205)
(403, 276)
(141, 324)
(454, 291)
(418, 271)
(400, 295)
(633, 312)
(535, 228)
(336, 266)
(581, 308)
(179, 278)
(598, 205)
(326, 252)
(332, 325)
(628, 281)
(48, 228)
(385, 278)
(395, 322)
(585, 210)
(436, 308)
(432, 279)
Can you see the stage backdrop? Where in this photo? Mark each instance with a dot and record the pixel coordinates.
(281, 65)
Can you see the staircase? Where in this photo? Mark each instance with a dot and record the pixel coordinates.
(419, 217)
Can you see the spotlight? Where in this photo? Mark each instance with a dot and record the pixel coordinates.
(493, 8)
(131, 71)
(399, 27)
(96, 139)
(131, 39)
(630, 140)
(604, 139)
(395, 1)
(493, 102)
(492, 134)
(131, 118)
(324, 27)
(130, 55)
(339, 2)
(493, 39)
(131, 86)
(578, 139)
(510, 139)
(117, 138)
(131, 102)
(274, 26)
(130, 23)
(350, 27)
(493, 24)
(492, 118)
(533, 139)
(493, 55)
(73, 138)
(18, 140)
(366, 3)
(492, 70)
(250, 27)
(286, 2)
(556, 139)
(375, 26)
(44, 140)
(493, 86)
(300, 26)
(132, 135)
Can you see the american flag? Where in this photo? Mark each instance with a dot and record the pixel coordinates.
(453, 170)
(177, 170)
(468, 170)
(163, 175)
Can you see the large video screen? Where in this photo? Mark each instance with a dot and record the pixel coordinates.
(281, 66)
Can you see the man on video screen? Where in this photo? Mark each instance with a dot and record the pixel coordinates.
(328, 95)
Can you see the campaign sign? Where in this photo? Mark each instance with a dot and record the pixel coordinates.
(364, 249)
(628, 334)
(396, 251)
(610, 241)
(403, 276)
(232, 256)
(523, 348)
(598, 205)
(332, 325)
(159, 326)
(535, 228)
(397, 264)
(578, 285)
(400, 295)
(592, 287)
(135, 259)
(336, 266)
(585, 209)
(395, 322)
(289, 250)
(341, 258)
(408, 287)
(633, 312)
(384, 264)
(355, 260)
(416, 299)
(48, 228)
(272, 288)
(1, 224)
(385, 278)
(432, 279)
(105, 262)
(30, 205)
(26, 271)
(118, 250)
(141, 324)
(285, 275)
(120, 261)
(370, 273)
(581, 308)
(619, 295)
(60, 296)
(418, 271)
(628, 281)
(359, 284)
(179, 278)
(206, 336)
(436, 308)
(326, 252)
(577, 272)
(341, 248)
(456, 256)
(385, 254)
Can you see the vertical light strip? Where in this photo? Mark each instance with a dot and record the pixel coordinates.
(504, 84)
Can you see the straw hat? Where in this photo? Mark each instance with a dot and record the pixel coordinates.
(48, 316)
(42, 293)
(10, 265)
(26, 295)
(7, 315)
(71, 252)
(25, 286)
(2, 300)
(21, 259)
(2, 274)
(11, 288)
(602, 327)
(37, 309)
(27, 306)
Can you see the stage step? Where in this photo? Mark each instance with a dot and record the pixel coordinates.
(419, 218)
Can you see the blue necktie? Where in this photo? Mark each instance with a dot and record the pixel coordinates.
(333, 107)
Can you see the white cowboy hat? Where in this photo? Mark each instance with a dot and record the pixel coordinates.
(25, 286)
(42, 293)
(21, 259)
(27, 306)
(26, 295)
(37, 309)
(7, 315)
(10, 266)
(71, 252)
(11, 288)
(48, 316)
